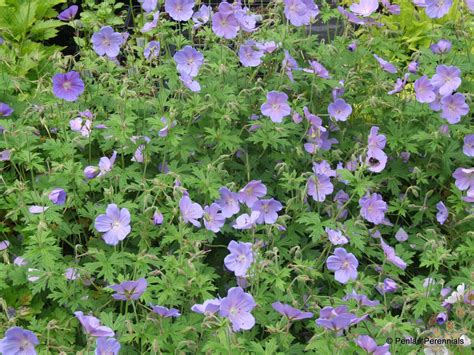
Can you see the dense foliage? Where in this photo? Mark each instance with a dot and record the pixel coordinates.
(193, 173)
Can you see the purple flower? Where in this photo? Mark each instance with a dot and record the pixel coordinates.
(353, 18)
(470, 5)
(469, 196)
(107, 42)
(300, 12)
(394, 9)
(319, 186)
(337, 318)
(237, 307)
(447, 79)
(225, 24)
(436, 104)
(37, 209)
(188, 61)
(413, 67)
(92, 326)
(166, 312)
(240, 257)
(164, 131)
(469, 297)
(352, 47)
(246, 20)
(57, 196)
(267, 47)
(405, 156)
(296, 117)
(20, 261)
(213, 219)
(208, 307)
(71, 273)
(441, 318)
(202, 16)
(437, 8)
(318, 69)
(387, 66)
(229, 202)
(147, 27)
(115, 224)
(148, 5)
(157, 218)
(245, 221)
(336, 237)
(290, 312)
(338, 91)
(268, 210)
(365, 8)
(445, 291)
(190, 211)
(191, 84)
(464, 178)
(5, 155)
(419, 3)
(468, 147)
(362, 300)
(391, 256)
(107, 346)
(401, 235)
(5, 110)
(129, 290)
(289, 64)
(251, 192)
(4, 244)
(80, 125)
(323, 168)
(138, 155)
(68, 14)
(18, 341)
(442, 214)
(242, 281)
(376, 140)
(344, 264)
(376, 160)
(68, 86)
(369, 345)
(388, 286)
(91, 172)
(443, 46)
(399, 85)
(276, 107)
(318, 137)
(179, 10)
(339, 110)
(341, 198)
(250, 55)
(373, 208)
(424, 90)
(454, 107)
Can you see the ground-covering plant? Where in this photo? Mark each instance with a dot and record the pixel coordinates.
(201, 179)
